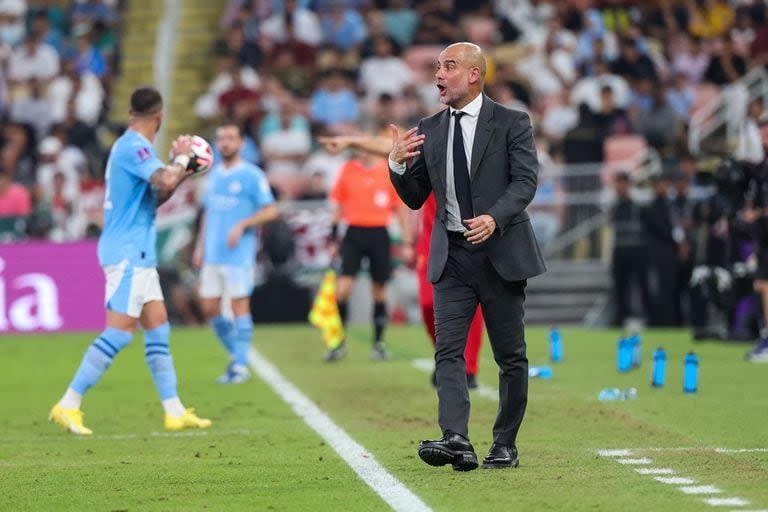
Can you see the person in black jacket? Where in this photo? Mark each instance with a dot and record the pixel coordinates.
(663, 249)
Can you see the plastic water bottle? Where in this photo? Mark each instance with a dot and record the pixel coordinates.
(691, 373)
(540, 372)
(637, 350)
(613, 394)
(659, 374)
(623, 355)
(555, 345)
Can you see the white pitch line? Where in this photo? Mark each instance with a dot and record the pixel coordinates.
(675, 480)
(700, 489)
(427, 365)
(741, 450)
(615, 453)
(642, 460)
(391, 490)
(725, 502)
(655, 471)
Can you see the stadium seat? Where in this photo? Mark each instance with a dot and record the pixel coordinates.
(621, 153)
(703, 95)
(419, 56)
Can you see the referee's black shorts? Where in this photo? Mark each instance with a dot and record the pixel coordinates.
(366, 242)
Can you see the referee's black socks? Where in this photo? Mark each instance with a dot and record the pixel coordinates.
(379, 320)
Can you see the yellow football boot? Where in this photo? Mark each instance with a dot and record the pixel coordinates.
(188, 420)
(70, 419)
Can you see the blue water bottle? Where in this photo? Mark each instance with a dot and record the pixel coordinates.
(637, 349)
(555, 345)
(691, 373)
(623, 355)
(659, 368)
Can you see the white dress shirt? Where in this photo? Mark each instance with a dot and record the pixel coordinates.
(468, 126)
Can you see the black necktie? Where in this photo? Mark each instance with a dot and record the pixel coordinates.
(461, 170)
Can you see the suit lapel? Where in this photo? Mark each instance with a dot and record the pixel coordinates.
(483, 133)
(441, 148)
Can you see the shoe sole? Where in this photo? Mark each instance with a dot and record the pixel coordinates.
(500, 465)
(462, 461)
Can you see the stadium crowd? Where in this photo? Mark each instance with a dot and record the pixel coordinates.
(589, 72)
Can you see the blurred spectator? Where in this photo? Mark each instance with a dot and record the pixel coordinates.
(334, 103)
(612, 119)
(725, 67)
(680, 97)
(91, 11)
(750, 147)
(587, 89)
(743, 33)
(327, 159)
(709, 18)
(384, 73)
(33, 60)
(342, 27)
(17, 155)
(40, 28)
(552, 64)
(235, 43)
(69, 163)
(401, 21)
(286, 147)
(89, 58)
(659, 123)
(631, 64)
(14, 198)
(85, 89)
(305, 23)
(560, 117)
(230, 76)
(33, 109)
(690, 58)
(12, 14)
(682, 220)
(437, 23)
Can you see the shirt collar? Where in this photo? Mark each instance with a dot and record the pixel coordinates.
(472, 109)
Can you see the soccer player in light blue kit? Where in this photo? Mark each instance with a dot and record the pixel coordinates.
(137, 181)
(237, 200)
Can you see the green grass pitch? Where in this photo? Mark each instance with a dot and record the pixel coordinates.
(260, 456)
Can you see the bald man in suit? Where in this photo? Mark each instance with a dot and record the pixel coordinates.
(479, 159)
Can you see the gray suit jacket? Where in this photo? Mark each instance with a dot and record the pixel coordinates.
(503, 179)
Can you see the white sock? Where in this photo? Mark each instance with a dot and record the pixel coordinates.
(71, 399)
(173, 407)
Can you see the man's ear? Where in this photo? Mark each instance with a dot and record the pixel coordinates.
(474, 75)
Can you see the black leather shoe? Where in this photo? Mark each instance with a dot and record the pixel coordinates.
(471, 381)
(452, 449)
(501, 456)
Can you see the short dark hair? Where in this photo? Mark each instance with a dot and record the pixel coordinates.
(233, 123)
(145, 101)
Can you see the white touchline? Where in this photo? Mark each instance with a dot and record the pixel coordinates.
(677, 480)
(391, 490)
(634, 461)
(427, 365)
(700, 489)
(725, 502)
(655, 471)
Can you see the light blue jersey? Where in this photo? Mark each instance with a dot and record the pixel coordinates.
(233, 195)
(130, 203)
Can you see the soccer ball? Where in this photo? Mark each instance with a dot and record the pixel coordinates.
(201, 155)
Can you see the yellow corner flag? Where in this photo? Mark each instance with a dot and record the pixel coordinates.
(325, 313)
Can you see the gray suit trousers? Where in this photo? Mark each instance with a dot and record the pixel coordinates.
(469, 278)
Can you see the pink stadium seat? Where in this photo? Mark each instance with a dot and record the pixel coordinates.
(619, 151)
(703, 94)
(418, 56)
(481, 31)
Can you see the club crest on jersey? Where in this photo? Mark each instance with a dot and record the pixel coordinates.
(144, 154)
(235, 187)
